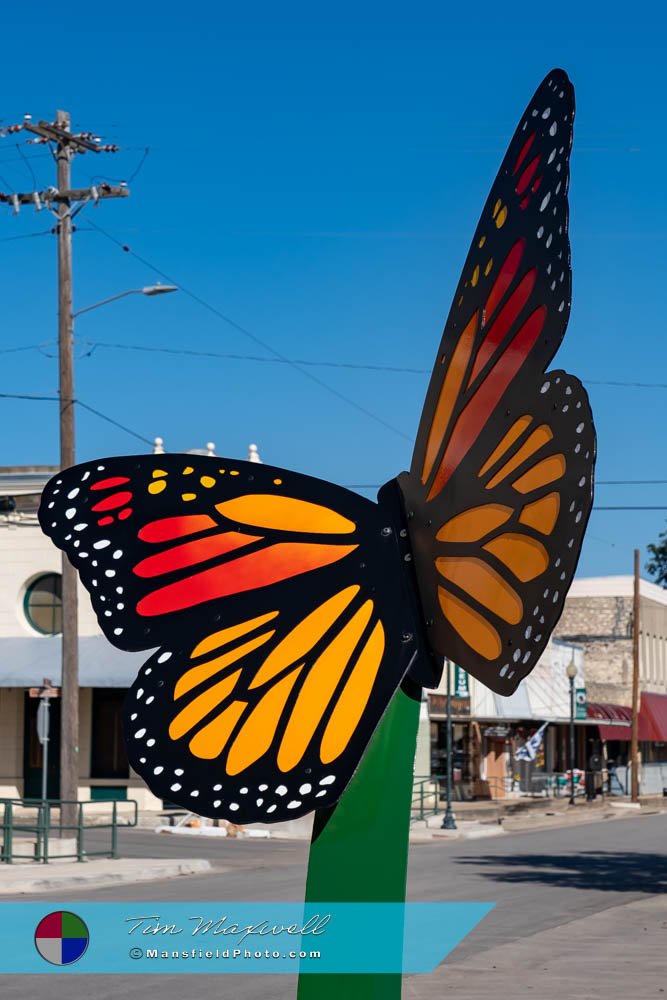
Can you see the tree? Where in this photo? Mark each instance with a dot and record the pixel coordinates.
(657, 567)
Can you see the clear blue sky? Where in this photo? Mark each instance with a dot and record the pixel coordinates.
(316, 173)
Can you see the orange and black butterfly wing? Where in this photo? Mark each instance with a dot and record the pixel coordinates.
(280, 615)
(501, 444)
(497, 558)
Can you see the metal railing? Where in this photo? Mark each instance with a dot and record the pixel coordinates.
(426, 795)
(32, 825)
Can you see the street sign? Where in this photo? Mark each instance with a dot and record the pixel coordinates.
(47, 690)
(43, 721)
(580, 703)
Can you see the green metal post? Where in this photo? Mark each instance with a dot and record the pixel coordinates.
(79, 833)
(8, 833)
(359, 848)
(114, 832)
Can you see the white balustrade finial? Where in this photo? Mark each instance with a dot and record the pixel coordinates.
(210, 448)
(253, 454)
(158, 446)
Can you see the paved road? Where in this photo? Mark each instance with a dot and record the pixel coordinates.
(561, 888)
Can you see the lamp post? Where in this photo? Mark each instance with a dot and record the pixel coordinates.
(571, 671)
(69, 746)
(448, 822)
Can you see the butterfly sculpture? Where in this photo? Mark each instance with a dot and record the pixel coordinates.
(284, 611)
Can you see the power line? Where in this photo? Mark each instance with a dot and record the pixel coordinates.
(251, 336)
(623, 507)
(349, 486)
(85, 406)
(27, 163)
(115, 423)
(252, 357)
(281, 359)
(25, 395)
(25, 236)
(628, 385)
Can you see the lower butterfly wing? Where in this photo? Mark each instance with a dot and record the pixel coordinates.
(496, 552)
(278, 605)
(267, 720)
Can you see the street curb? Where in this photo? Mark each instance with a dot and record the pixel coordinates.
(97, 879)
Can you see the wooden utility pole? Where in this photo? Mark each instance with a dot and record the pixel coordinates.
(60, 200)
(634, 746)
(69, 732)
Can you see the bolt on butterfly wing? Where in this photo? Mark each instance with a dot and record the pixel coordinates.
(284, 611)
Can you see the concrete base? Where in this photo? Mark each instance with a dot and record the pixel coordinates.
(24, 849)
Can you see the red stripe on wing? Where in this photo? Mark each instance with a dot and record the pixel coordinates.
(526, 146)
(113, 502)
(191, 553)
(478, 410)
(106, 484)
(169, 528)
(527, 175)
(503, 322)
(506, 275)
(250, 572)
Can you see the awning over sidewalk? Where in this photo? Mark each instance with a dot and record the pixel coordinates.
(654, 708)
(26, 661)
(615, 721)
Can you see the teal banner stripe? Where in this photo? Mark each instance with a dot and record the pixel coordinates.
(237, 938)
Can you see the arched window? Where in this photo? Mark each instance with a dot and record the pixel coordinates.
(43, 604)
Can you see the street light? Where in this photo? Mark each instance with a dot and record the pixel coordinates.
(156, 289)
(69, 747)
(448, 822)
(571, 671)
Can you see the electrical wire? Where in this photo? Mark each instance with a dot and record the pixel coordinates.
(251, 336)
(396, 369)
(25, 236)
(27, 163)
(84, 406)
(115, 423)
(146, 440)
(251, 357)
(25, 395)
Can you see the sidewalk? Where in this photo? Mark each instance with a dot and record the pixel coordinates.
(480, 819)
(613, 955)
(65, 876)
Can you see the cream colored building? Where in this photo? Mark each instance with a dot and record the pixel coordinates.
(30, 648)
(30, 652)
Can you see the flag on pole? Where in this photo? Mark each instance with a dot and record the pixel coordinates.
(529, 749)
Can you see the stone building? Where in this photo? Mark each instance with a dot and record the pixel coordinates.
(598, 616)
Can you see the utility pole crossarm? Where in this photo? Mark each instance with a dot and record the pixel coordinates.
(76, 194)
(57, 132)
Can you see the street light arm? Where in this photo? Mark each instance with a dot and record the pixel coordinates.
(104, 302)
(156, 289)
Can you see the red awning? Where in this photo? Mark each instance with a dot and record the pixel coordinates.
(615, 721)
(654, 709)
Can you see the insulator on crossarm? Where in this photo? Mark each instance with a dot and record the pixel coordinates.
(15, 203)
(36, 201)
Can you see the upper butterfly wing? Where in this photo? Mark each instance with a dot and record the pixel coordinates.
(500, 486)
(512, 303)
(277, 604)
